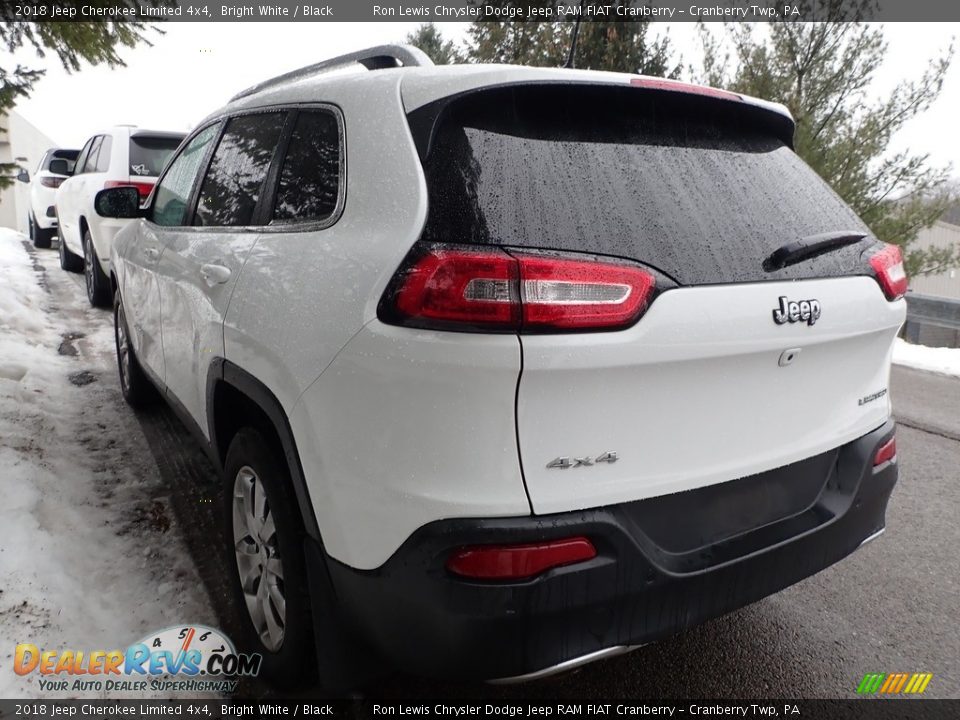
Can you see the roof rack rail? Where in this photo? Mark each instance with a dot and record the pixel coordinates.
(374, 58)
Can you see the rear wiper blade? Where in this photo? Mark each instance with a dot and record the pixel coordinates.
(810, 246)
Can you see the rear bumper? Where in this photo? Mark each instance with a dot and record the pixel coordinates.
(647, 581)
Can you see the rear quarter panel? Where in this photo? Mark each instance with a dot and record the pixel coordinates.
(378, 413)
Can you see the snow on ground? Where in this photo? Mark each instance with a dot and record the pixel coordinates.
(945, 361)
(91, 557)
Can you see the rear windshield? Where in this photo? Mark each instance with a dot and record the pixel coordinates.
(69, 155)
(697, 188)
(149, 154)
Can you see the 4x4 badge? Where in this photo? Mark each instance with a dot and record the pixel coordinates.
(565, 463)
(807, 311)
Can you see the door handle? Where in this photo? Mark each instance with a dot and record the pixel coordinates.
(151, 253)
(215, 274)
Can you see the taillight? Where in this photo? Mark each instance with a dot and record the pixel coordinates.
(143, 188)
(491, 289)
(51, 181)
(518, 562)
(887, 263)
(886, 453)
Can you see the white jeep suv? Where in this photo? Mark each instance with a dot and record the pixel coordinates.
(507, 368)
(119, 157)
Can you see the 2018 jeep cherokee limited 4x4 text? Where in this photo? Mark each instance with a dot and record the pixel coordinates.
(508, 368)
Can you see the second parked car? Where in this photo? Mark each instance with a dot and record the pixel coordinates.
(55, 167)
(123, 155)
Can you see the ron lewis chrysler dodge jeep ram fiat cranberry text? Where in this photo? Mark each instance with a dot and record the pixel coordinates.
(506, 368)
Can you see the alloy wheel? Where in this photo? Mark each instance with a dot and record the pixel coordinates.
(258, 558)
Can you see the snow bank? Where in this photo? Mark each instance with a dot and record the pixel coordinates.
(945, 361)
(80, 569)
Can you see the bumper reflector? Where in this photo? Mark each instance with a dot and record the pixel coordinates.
(516, 562)
(886, 453)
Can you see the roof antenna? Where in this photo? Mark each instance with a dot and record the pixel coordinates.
(573, 39)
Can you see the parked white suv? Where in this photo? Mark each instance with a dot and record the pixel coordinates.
(509, 369)
(42, 218)
(119, 157)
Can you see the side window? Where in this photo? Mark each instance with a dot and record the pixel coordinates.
(173, 191)
(310, 176)
(82, 158)
(103, 159)
(233, 182)
(91, 163)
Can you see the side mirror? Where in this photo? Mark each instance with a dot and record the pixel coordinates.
(60, 166)
(119, 202)
(23, 176)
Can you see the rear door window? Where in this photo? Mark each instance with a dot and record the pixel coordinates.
(700, 189)
(103, 157)
(235, 178)
(91, 164)
(309, 183)
(149, 153)
(84, 154)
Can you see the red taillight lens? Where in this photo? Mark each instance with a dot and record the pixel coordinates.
(888, 265)
(144, 188)
(886, 453)
(460, 287)
(516, 562)
(489, 289)
(51, 181)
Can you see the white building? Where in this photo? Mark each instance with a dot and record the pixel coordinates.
(23, 144)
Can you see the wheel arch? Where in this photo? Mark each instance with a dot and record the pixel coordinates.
(236, 399)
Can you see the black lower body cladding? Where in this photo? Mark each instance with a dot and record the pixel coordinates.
(650, 578)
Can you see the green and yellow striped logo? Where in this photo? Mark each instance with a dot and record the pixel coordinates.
(894, 683)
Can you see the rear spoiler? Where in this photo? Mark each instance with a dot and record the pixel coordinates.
(774, 118)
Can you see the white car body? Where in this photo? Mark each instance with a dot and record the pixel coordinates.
(43, 194)
(93, 172)
(396, 428)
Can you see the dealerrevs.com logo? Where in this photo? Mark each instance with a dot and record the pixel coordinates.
(191, 658)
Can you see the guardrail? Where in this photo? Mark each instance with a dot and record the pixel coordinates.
(934, 319)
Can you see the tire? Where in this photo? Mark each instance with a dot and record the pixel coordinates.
(40, 237)
(69, 261)
(257, 480)
(98, 285)
(136, 387)
(43, 238)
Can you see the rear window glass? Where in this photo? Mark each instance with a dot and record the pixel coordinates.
(697, 188)
(149, 154)
(310, 175)
(69, 155)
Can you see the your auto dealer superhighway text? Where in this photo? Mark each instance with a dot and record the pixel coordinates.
(602, 710)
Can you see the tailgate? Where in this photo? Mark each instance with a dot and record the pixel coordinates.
(705, 388)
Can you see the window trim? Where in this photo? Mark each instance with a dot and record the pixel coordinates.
(269, 188)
